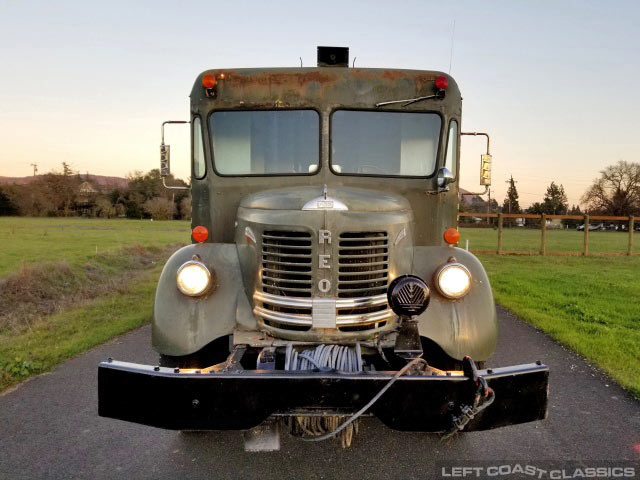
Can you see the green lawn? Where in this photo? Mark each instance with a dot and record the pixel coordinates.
(590, 304)
(528, 240)
(67, 284)
(76, 330)
(76, 240)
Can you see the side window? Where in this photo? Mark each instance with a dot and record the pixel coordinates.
(199, 167)
(451, 159)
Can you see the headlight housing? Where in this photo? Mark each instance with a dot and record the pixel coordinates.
(453, 280)
(193, 278)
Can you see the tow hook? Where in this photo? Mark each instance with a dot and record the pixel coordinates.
(481, 397)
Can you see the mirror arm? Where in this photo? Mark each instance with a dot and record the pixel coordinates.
(170, 121)
(173, 188)
(475, 134)
(486, 190)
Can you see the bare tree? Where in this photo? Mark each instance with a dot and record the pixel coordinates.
(616, 192)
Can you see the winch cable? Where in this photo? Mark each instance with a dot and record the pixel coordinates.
(339, 357)
(325, 357)
(356, 415)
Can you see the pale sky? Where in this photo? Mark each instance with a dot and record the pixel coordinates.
(555, 83)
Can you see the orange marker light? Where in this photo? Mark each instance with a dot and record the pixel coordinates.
(451, 236)
(200, 234)
(208, 81)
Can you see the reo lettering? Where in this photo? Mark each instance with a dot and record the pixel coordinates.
(324, 235)
(323, 261)
(324, 285)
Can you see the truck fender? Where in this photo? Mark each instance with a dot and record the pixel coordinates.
(467, 326)
(183, 325)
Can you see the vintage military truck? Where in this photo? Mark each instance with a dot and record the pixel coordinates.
(323, 281)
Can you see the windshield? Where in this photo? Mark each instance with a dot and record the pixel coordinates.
(278, 142)
(384, 143)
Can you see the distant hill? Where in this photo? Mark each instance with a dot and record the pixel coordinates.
(468, 199)
(100, 182)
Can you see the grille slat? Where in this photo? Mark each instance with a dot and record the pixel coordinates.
(271, 253)
(289, 247)
(364, 248)
(304, 266)
(365, 256)
(289, 280)
(361, 281)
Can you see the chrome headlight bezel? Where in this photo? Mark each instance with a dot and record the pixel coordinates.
(207, 274)
(442, 270)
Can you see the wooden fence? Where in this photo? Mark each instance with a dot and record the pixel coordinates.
(543, 232)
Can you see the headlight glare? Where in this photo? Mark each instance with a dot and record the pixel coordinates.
(453, 280)
(193, 278)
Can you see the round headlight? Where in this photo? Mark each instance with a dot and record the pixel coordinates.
(193, 278)
(453, 280)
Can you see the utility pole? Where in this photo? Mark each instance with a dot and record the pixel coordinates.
(489, 206)
(510, 182)
(35, 168)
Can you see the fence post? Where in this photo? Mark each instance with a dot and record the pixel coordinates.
(500, 220)
(585, 252)
(543, 230)
(630, 250)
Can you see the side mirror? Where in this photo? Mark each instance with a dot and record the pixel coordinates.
(165, 157)
(485, 170)
(165, 160)
(165, 151)
(445, 177)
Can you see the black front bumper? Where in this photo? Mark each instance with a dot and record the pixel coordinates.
(162, 397)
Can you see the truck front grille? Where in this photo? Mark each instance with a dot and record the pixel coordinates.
(286, 300)
(363, 264)
(286, 263)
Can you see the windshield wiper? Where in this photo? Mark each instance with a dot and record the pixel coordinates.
(409, 101)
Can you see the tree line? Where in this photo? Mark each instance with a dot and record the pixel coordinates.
(615, 192)
(66, 193)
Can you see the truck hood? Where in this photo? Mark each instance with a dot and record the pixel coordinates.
(356, 199)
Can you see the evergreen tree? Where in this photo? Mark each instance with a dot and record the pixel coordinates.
(510, 204)
(555, 200)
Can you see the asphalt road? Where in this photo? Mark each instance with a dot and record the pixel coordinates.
(49, 428)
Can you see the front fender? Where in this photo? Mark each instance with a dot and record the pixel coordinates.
(467, 326)
(183, 325)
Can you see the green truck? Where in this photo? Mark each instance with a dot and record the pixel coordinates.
(323, 282)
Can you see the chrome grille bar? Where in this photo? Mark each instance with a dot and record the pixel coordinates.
(286, 263)
(366, 255)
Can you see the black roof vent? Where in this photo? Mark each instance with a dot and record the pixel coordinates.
(333, 56)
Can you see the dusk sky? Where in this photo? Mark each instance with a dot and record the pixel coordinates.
(554, 83)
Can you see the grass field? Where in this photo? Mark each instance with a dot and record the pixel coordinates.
(528, 240)
(590, 304)
(76, 330)
(67, 285)
(76, 240)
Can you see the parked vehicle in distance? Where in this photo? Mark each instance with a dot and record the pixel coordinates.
(592, 228)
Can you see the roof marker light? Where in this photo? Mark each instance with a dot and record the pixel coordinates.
(208, 81)
(441, 83)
